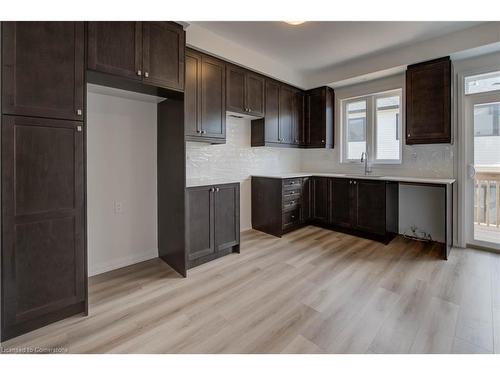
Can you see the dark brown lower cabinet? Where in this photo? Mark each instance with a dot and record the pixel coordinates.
(44, 271)
(359, 206)
(212, 222)
(321, 200)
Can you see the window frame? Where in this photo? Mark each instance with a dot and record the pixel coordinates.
(371, 124)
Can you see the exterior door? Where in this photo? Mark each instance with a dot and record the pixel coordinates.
(44, 270)
(482, 125)
(43, 69)
(116, 48)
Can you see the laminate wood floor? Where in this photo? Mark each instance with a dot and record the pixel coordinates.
(312, 291)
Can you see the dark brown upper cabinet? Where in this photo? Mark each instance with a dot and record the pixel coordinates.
(43, 69)
(163, 45)
(115, 48)
(319, 119)
(245, 91)
(205, 98)
(428, 102)
(281, 125)
(152, 52)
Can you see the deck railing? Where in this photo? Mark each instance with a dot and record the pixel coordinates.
(487, 196)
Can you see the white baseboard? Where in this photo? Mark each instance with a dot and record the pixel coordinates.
(114, 264)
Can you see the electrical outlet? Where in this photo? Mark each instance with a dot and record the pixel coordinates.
(118, 207)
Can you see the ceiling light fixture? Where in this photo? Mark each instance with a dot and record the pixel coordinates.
(295, 23)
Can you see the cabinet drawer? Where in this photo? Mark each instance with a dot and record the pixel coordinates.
(291, 183)
(292, 193)
(291, 218)
(291, 204)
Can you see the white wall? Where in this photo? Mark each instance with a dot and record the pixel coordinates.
(236, 160)
(121, 167)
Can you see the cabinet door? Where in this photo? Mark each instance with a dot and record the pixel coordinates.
(163, 54)
(192, 95)
(298, 118)
(306, 211)
(321, 199)
(227, 216)
(235, 92)
(286, 114)
(200, 219)
(272, 125)
(255, 94)
(369, 211)
(428, 102)
(315, 118)
(341, 202)
(115, 48)
(43, 69)
(213, 98)
(43, 226)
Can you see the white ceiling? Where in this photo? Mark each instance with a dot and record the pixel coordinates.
(313, 46)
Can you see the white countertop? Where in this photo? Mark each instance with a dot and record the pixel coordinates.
(192, 182)
(421, 180)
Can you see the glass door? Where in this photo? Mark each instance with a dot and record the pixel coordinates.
(483, 168)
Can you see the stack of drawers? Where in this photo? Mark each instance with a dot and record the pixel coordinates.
(291, 202)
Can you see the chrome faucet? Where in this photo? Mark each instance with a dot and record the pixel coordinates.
(364, 158)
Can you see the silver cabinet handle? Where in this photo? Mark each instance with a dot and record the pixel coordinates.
(203, 132)
(322, 141)
(212, 190)
(293, 216)
(409, 135)
(146, 74)
(139, 73)
(217, 189)
(354, 182)
(79, 112)
(79, 128)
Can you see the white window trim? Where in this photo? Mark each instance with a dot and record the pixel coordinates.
(371, 127)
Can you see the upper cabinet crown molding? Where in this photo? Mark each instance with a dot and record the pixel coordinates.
(150, 52)
(428, 102)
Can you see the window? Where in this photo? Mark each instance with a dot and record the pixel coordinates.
(356, 129)
(482, 83)
(372, 124)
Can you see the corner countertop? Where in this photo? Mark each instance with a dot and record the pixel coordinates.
(418, 180)
(207, 181)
